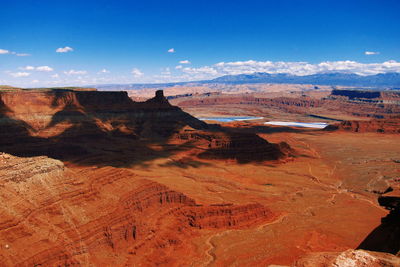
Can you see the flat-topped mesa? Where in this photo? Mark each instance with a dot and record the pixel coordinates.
(388, 97)
(49, 112)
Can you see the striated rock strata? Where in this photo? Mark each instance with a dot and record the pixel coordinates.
(384, 105)
(53, 216)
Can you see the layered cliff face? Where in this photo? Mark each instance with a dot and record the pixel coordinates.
(51, 113)
(377, 126)
(70, 125)
(53, 216)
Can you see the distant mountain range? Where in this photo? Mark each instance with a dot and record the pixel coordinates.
(390, 80)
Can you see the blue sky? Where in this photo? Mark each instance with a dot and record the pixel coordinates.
(128, 41)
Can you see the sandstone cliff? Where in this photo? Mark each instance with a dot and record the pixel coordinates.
(53, 216)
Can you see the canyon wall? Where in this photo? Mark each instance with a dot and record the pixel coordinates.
(69, 125)
(387, 105)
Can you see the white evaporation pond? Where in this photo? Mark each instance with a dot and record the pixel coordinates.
(320, 125)
(229, 119)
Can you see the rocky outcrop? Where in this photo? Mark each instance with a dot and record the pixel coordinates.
(226, 216)
(15, 169)
(242, 147)
(349, 258)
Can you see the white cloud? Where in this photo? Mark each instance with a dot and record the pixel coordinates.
(137, 73)
(40, 68)
(75, 72)
(171, 50)
(35, 81)
(64, 49)
(294, 68)
(44, 68)
(184, 62)
(27, 68)
(19, 74)
(166, 71)
(4, 51)
(55, 76)
(200, 73)
(104, 71)
(201, 70)
(368, 53)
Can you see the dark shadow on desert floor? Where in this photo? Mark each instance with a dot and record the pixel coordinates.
(386, 237)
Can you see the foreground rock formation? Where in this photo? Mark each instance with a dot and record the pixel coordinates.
(350, 258)
(96, 214)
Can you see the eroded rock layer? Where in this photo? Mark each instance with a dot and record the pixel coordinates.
(53, 216)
